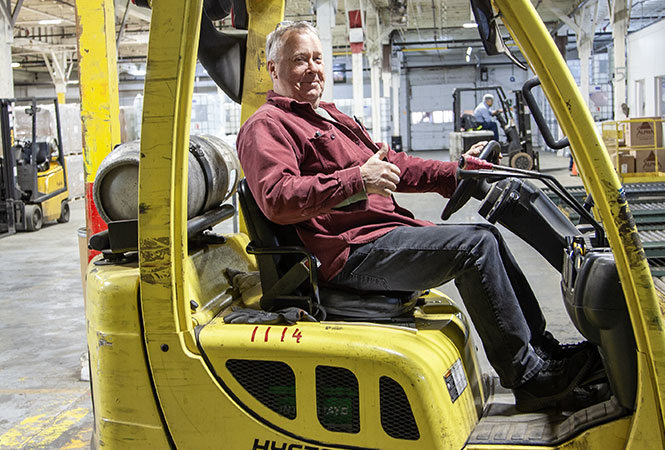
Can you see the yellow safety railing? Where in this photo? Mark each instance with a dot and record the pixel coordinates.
(636, 148)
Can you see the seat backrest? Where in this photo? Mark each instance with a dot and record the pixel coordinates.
(340, 304)
(469, 122)
(597, 307)
(43, 152)
(264, 233)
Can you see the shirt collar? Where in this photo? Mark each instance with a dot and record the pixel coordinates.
(287, 103)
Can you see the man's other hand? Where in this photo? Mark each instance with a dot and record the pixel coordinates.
(380, 177)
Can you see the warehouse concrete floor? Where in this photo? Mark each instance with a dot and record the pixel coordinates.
(45, 405)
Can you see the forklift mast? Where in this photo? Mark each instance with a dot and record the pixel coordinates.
(523, 122)
(506, 115)
(7, 171)
(40, 152)
(518, 148)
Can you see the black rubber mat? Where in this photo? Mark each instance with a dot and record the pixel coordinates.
(502, 423)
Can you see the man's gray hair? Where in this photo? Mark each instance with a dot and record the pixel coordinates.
(274, 39)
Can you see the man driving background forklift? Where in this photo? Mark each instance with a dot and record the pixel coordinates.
(485, 116)
(311, 166)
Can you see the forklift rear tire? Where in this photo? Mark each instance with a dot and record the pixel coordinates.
(521, 160)
(34, 219)
(64, 212)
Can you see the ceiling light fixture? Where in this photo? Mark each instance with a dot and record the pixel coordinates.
(15, 65)
(50, 21)
(470, 25)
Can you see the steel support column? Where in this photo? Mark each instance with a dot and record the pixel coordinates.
(325, 22)
(6, 71)
(98, 84)
(395, 100)
(357, 83)
(355, 28)
(620, 17)
(585, 18)
(56, 64)
(583, 24)
(375, 85)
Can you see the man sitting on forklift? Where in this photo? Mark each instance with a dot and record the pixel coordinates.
(311, 166)
(485, 116)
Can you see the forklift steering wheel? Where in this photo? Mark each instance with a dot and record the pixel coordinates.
(470, 186)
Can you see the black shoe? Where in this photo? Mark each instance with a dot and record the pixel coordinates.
(583, 397)
(555, 380)
(550, 348)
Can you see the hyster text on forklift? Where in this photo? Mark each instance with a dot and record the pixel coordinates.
(33, 178)
(400, 373)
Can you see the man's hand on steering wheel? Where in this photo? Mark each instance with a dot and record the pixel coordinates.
(491, 151)
(478, 147)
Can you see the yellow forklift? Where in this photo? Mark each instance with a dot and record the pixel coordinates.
(33, 178)
(517, 148)
(400, 374)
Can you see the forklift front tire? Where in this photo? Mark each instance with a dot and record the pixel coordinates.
(64, 212)
(34, 218)
(521, 160)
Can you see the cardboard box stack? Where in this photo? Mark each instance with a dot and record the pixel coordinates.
(644, 139)
(626, 163)
(613, 139)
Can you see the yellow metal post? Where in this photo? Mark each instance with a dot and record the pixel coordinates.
(98, 76)
(263, 16)
(262, 19)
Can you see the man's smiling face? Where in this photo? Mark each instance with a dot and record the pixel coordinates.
(298, 71)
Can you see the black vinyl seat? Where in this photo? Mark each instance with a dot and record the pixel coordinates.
(288, 274)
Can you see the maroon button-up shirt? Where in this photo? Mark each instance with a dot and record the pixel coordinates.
(299, 166)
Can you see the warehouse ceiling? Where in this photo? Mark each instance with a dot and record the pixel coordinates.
(45, 30)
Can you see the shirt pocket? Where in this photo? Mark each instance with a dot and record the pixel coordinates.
(332, 151)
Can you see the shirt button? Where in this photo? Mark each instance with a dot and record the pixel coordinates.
(332, 136)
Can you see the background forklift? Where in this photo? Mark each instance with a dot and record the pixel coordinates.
(518, 148)
(33, 178)
(167, 370)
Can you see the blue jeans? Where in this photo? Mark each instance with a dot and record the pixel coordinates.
(496, 293)
(492, 126)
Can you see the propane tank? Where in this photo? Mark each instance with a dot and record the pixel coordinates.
(213, 175)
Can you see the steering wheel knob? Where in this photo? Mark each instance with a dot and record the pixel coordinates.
(468, 162)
